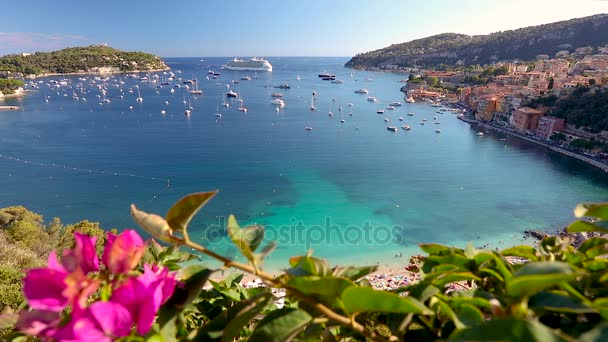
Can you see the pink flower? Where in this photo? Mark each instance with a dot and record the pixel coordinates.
(102, 321)
(139, 300)
(144, 295)
(43, 287)
(54, 287)
(123, 252)
(83, 255)
(161, 280)
(40, 323)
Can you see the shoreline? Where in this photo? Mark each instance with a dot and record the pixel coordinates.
(94, 73)
(590, 161)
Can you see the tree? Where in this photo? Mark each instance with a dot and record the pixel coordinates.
(551, 83)
(582, 144)
(558, 137)
(432, 81)
(592, 82)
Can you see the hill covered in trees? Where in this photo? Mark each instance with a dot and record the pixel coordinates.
(80, 59)
(522, 44)
(585, 107)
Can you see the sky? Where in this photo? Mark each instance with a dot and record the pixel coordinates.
(241, 28)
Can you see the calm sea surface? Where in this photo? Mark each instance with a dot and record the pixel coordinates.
(352, 191)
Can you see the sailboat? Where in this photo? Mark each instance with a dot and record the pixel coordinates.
(196, 91)
(312, 101)
(139, 98)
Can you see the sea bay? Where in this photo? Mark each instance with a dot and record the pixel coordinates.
(352, 191)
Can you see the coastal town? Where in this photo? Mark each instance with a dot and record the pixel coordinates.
(500, 96)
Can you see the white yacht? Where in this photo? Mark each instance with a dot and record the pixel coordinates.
(232, 93)
(372, 99)
(278, 102)
(256, 64)
(395, 104)
(410, 100)
(361, 91)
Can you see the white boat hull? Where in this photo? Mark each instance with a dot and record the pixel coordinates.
(245, 68)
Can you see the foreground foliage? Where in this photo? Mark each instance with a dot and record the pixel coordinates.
(555, 292)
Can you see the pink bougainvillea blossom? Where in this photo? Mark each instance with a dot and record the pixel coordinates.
(123, 252)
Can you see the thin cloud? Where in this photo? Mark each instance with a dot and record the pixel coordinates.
(15, 42)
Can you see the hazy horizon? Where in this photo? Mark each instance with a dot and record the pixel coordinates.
(277, 28)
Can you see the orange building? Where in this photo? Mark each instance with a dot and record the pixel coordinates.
(525, 119)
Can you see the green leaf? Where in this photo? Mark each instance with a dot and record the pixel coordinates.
(280, 325)
(494, 261)
(444, 260)
(555, 302)
(601, 305)
(447, 311)
(597, 210)
(432, 248)
(597, 334)
(596, 265)
(193, 278)
(322, 286)
(421, 291)
(584, 226)
(492, 273)
(229, 292)
(354, 273)
(453, 277)
(308, 266)
(507, 329)
(268, 248)
(247, 239)
(537, 276)
(181, 213)
(594, 247)
(365, 299)
(229, 323)
(471, 297)
(521, 251)
(469, 314)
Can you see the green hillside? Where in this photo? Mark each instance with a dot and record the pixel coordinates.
(80, 59)
(522, 44)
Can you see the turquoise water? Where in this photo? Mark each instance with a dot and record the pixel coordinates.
(352, 191)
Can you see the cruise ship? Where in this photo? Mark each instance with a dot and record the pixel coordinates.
(256, 64)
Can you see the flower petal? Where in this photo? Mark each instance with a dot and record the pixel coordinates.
(44, 288)
(38, 322)
(125, 252)
(139, 300)
(113, 318)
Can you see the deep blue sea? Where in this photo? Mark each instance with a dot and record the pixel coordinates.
(352, 191)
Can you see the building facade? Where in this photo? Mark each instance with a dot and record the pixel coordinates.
(525, 119)
(547, 125)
